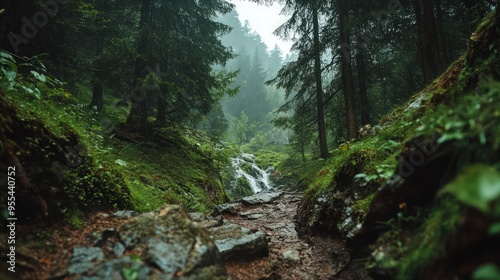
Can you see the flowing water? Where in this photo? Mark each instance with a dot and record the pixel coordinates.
(254, 177)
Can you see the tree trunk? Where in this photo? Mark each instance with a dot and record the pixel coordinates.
(323, 147)
(445, 47)
(97, 96)
(139, 94)
(497, 13)
(364, 104)
(161, 114)
(347, 79)
(427, 39)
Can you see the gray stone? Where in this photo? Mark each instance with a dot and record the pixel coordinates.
(226, 208)
(254, 216)
(235, 242)
(125, 214)
(417, 103)
(292, 255)
(118, 249)
(171, 241)
(119, 269)
(167, 256)
(197, 217)
(84, 258)
(261, 198)
(170, 244)
(211, 223)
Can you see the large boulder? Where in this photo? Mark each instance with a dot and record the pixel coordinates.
(164, 244)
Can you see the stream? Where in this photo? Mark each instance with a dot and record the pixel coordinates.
(272, 212)
(248, 178)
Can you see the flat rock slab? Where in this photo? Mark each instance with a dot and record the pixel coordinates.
(236, 242)
(227, 208)
(261, 198)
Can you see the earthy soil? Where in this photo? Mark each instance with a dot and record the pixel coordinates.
(320, 256)
(45, 254)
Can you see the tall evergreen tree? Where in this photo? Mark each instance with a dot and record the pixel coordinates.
(323, 147)
(302, 79)
(184, 46)
(428, 42)
(343, 8)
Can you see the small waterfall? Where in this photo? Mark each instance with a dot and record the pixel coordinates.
(248, 177)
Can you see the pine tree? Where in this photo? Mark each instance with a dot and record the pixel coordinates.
(182, 41)
(302, 79)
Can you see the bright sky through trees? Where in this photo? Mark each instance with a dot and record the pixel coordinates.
(263, 20)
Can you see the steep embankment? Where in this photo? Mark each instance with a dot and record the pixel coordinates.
(419, 195)
(71, 161)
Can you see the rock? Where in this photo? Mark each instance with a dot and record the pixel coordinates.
(197, 217)
(251, 215)
(292, 255)
(168, 243)
(226, 208)
(261, 198)
(100, 238)
(175, 244)
(125, 214)
(84, 258)
(235, 242)
(118, 249)
(417, 103)
(205, 222)
(255, 216)
(121, 268)
(167, 256)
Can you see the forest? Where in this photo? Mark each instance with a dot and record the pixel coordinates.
(153, 139)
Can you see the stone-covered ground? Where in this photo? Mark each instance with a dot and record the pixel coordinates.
(290, 256)
(255, 238)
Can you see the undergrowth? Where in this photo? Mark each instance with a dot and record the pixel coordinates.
(180, 165)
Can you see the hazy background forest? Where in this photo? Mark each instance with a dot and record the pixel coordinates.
(359, 59)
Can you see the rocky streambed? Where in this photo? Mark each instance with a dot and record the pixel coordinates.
(254, 238)
(289, 256)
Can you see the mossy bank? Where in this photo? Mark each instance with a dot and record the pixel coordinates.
(72, 160)
(418, 196)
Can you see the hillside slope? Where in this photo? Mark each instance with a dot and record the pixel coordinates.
(71, 160)
(419, 196)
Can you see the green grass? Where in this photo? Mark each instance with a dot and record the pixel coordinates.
(184, 168)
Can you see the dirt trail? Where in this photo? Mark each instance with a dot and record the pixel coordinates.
(290, 257)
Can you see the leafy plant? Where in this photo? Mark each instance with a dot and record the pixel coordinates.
(33, 84)
(487, 272)
(478, 186)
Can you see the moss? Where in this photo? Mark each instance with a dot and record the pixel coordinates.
(241, 189)
(119, 168)
(429, 243)
(363, 205)
(265, 158)
(75, 219)
(145, 198)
